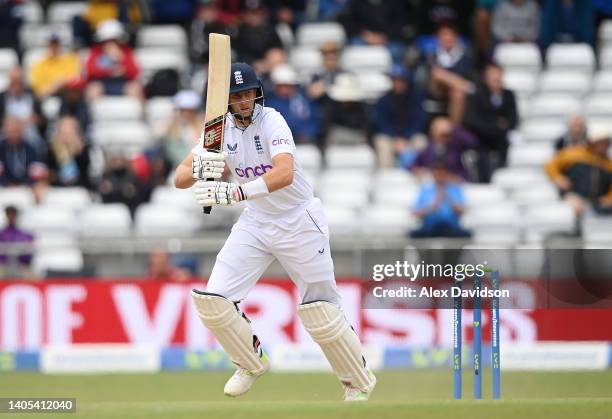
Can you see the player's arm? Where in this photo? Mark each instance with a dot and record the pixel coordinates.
(281, 174)
(199, 167)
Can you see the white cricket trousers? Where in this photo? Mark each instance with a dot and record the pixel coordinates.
(300, 243)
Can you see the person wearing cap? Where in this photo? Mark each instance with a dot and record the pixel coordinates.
(179, 132)
(346, 118)
(575, 133)
(330, 51)
(583, 173)
(398, 119)
(49, 74)
(301, 114)
(111, 66)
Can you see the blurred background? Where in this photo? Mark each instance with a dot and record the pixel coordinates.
(440, 124)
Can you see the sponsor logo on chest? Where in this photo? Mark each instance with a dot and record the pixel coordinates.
(249, 172)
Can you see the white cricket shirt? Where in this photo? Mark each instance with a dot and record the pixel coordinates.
(249, 155)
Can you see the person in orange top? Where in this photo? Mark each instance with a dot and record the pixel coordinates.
(111, 66)
(49, 74)
(583, 173)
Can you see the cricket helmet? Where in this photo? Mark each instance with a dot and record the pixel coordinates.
(243, 78)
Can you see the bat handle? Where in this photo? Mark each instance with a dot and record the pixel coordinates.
(206, 210)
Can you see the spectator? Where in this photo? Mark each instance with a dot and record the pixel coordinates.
(20, 256)
(450, 71)
(301, 114)
(491, 114)
(179, 134)
(120, 184)
(255, 35)
(440, 205)
(482, 27)
(205, 21)
(161, 267)
(20, 163)
(50, 73)
(69, 155)
(73, 103)
(19, 102)
(398, 118)
(567, 21)
(346, 116)
(583, 174)
(575, 135)
(111, 66)
(448, 145)
(317, 89)
(10, 24)
(516, 21)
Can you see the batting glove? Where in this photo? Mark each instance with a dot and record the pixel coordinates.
(213, 193)
(208, 165)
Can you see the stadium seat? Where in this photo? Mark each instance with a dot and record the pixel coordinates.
(64, 12)
(570, 82)
(353, 199)
(116, 108)
(542, 129)
(605, 32)
(374, 84)
(541, 220)
(307, 61)
(404, 198)
(394, 179)
(72, 198)
(310, 157)
(54, 262)
(387, 221)
(169, 195)
(8, 59)
(33, 35)
(598, 105)
(338, 180)
(537, 195)
(360, 157)
(597, 229)
(164, 36)
(365, 58)
(535, 155)
(4, 81)
(602, 82)
(54, 241)
(511, 178)
(105, 220)
(158, 109)
(155, 59)
(523, 57)
(605, 58)
(554, 106)
(31, 56)
(153, 220)
(315, 34)
(480, 195)
(500, 220)
(341, 220)
(32, 12)
(18, 196)
(49, 219)
(522, 83)
(577, 57)
(51, 107)
(126, 136)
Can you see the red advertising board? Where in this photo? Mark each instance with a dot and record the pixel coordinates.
(33, 314)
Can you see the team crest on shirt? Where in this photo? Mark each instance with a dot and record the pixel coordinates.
(233, 148)
(258, 146)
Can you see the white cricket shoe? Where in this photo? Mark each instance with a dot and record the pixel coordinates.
(352, 394)
(240, 382)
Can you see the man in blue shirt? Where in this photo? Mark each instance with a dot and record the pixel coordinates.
(439, 205)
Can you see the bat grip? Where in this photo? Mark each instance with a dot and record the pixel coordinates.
(206, 210)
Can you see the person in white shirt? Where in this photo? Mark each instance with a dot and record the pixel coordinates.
(283, 221)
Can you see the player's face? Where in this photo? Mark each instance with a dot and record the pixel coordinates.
(243, 102)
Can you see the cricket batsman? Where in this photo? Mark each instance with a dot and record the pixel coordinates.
(283, 221)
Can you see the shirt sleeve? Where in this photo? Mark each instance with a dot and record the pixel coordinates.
(199, 146)
(278, 135)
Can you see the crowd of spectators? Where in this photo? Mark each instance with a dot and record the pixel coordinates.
(446, 112)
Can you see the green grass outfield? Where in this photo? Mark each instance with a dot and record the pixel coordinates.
(399, 394)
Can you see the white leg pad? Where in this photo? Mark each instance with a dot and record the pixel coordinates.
(232, 330)
(328, 327)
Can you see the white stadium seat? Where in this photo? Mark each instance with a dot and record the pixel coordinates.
(341, 179)
(354, 199)
(153, 220)
(536, 195)
(602, 82)
(105, 220)
(307, 61)
(155, 59)
(341, 220)
(387, 221)
(605, 32)
(54, 241)
(374, 84)
(310, 157)
(545, 219)
(605, 58)
(577, 57)
(503, 216)
(571, 82)
(511, 178)
(522, 83)
(553, 105)
(64, 12)
(597, 229)
(360, 157)
(33, 35)
(401, 198)
(523, 56)
(8, 59)
(31, 56)
(32, 12)
(126, 136)
(365, 58)
(116, 108)
(479, 195)
(598, 105)
(165, 36)
(521, 155)
(394, 179)
(316, 34)
(49, 219)
(543, 129)
(158, 109)
(64, 260)
(72, 198)
(169, 195)
(18, 196)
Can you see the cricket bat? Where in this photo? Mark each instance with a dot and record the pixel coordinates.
(217, 93)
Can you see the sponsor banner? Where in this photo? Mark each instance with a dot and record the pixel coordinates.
(19, 361)
(556, 356)
(161, 314)
(100, 359)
